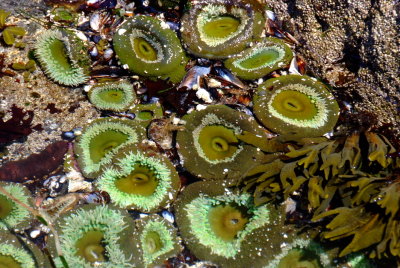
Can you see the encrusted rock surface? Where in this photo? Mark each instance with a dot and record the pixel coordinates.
(354, 45)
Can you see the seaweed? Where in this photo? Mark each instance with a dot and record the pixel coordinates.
(18, 126)
(35, 165)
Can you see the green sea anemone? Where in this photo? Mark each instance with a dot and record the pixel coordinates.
(13, 215)
(296, 106)
(148, 47)
(95, 235)
(301, 253)
(266, 56)
(157, 241)
(209, 145)
(113, 96)
(63, 57)
(16, 252)
(140, 181)
(221, 28)
(224, 226)
(101, 139)
(147, 112)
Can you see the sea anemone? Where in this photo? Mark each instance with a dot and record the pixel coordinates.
(16, 252)
(148, 47)
(147, 112)
(140, 181)
(224, 226)
(266, 56)
(101, 139)
(209, 145)
(63, 56)
(95, 235)
(113, 96)
(157, 241)
(220, 28)
(301, 253)
(296, 106)
(13, 215)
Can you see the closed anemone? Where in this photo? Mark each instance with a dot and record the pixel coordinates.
(157, 241)
(302, 253)
(209, 147)
(224, 226)
(148, 47)
(63, 57)
(140, 181)
(95, 235)
(266, 56)
(221, 28)
(16, 252)
(101, 139)
(113, 96)
(12, 215)
(296, 106)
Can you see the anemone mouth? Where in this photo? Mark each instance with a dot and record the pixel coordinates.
(112, 96)
(227, 221)
(209, 146)
(219, 29)
(140, 181)
(296, 106)
(148, 47)
(218, 142)
(58, 55)
(101, 140)
(91, 247)
(265, 56)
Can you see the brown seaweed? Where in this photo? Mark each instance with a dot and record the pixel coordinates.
(18, 126)
(35, 165)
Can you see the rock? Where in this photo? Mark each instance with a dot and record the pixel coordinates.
(355, 47)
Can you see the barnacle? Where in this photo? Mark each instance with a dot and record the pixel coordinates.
(16, 252)
(266, 56)
(296, 106)
(301, 253)
(95, 235)
(13, 215)
(220, 28)
(224, 226)
(157, 241)
(101, 139)
(140, 181)
(114, 96)
(209, 146)
(148, 47)
(62, 55)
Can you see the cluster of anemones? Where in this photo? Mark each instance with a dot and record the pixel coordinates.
(222, 146)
